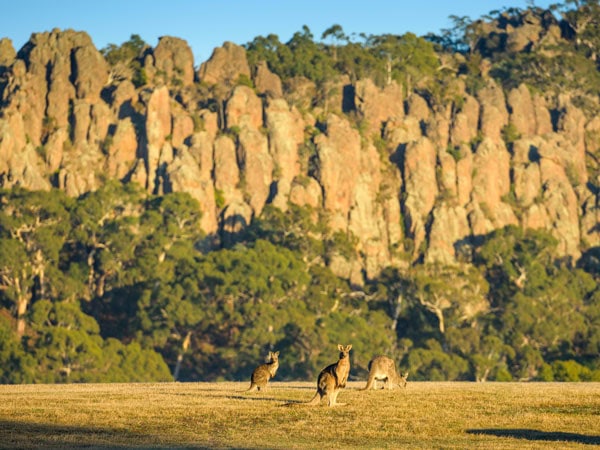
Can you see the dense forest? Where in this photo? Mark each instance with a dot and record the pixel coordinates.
(119, 284)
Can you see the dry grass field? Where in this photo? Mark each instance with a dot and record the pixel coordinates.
(221, 415)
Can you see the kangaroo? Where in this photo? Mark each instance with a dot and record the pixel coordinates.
(264, 372)
(333, 378)
(382, 368)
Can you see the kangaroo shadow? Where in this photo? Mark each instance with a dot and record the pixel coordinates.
(537, 435)
(249, 397)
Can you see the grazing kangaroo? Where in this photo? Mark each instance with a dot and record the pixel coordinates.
(333, 378)
(382, 368)
(262, 374)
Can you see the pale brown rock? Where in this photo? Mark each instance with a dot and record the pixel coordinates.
(571, 126)
(185, 175)
(522, 116)
(464, 176)
(365, 217)
(465, 122)
(123, 98)
(7, 53)
(201, 150)
(256, 167)
(300, 92)
(121, 149)
(306, 192)
(173, 57)
(183, 127)
(286, 134)
(561, 206)
(441, 169)
(339, 157)
(101, 120)
(449, 229)
(244, 109)
(494, 115)
(225, 65)
(402, 131)
(543, 118)
(418, 108)
(90, 72)
(81, 122)
(267, 82)
(158, 127)
(226, 171)
(420, 186)
(377, 106)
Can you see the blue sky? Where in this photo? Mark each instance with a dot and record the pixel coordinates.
(207, 24)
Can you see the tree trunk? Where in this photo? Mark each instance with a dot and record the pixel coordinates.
(21, 309)
(435, 309)
(184, 346)
(396, 308)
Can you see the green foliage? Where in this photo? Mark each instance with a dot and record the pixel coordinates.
(510, 133)
(219, 198)
(16, 366)
(569, 370)
(295, 229)
(407, 59)
(245, 80)
(140, 77)
(126, 52)
(432, 363)
(69, 348)
(455, 152)
(131, 258)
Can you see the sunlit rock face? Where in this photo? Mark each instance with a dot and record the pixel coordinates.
(407, 178)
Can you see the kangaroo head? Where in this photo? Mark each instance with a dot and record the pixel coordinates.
(273, 356)
(344, 351)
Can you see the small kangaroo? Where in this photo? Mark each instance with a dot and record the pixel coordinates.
(382, 368)
(333, 378)
(262, 374)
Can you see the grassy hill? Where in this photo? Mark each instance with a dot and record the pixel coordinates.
(222, 415)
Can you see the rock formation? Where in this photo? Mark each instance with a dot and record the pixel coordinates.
(439, 177)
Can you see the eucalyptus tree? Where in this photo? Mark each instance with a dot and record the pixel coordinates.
(542, 306)
(406, 58)
(105, 232)
(16, 366)
(337, 35)
(69, 348)
(33, 229)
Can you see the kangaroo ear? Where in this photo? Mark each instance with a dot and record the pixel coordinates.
(276, 353)
(340, 347)
(348, 347)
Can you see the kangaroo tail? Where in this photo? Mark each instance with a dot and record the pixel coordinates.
(315, 400)
(369, 384)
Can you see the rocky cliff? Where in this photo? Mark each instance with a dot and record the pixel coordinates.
(417, 180)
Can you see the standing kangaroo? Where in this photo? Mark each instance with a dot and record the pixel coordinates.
(382, 368)
(264, 372)
(333, 378)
